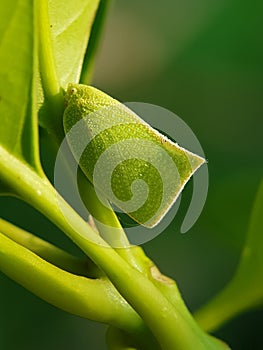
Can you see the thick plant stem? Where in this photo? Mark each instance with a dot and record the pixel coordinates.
(49, 252)
(172, 329)
(109, 225)
(47, 61)
(95, 299)
(118, 340)
(47, 66)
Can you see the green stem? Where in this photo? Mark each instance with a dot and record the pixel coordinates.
(242, 293)
(84, 297)
(118, 340)
(49, 252)
(172, 329)
(244, 290)
(226, 305)
(47, 66)
(47, 60)
(109, 225)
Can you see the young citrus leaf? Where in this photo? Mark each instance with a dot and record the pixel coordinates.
(19, 128)
(70, 25)
(134, 166)
(245, 290)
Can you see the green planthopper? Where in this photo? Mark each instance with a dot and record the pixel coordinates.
(138, 169)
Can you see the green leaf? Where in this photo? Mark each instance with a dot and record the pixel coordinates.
(245, 290)
(115, 148)
(70, 23)
(19, 128)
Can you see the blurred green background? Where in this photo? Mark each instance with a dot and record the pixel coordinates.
(203, 61)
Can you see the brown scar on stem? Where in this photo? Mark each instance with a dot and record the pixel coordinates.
(158, 276)
(92, 223)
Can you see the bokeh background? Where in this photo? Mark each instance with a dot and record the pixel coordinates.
(203, 61)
